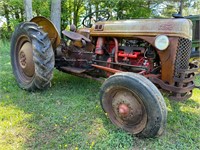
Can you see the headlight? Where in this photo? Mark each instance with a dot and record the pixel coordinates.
(162, 42)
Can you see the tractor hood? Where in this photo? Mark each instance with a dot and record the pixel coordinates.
(143, 27)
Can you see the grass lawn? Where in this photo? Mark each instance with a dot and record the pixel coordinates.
(69, 116)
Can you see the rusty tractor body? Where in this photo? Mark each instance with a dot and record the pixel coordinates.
(135, 55)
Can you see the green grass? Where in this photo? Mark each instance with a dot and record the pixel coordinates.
(68, 116)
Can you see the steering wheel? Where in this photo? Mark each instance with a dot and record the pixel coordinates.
(90, 19)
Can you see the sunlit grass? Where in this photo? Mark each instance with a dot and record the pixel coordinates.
(69, 116)
(14, 130)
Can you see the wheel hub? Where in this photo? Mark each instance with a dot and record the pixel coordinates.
(26, 59)
(123, 110)
(22, 59)
(129, 111)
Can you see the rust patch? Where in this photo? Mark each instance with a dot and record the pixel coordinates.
(166, 26)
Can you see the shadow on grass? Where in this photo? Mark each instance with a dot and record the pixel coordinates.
(182, 130)
(67, 115)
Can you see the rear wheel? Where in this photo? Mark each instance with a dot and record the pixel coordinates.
(133, 103)
(32, 57)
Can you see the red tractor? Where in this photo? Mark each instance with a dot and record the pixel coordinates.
(136, 57)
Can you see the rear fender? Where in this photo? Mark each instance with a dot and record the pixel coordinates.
(49, 28)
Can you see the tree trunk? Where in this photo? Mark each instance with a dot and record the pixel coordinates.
(97, 9)
(56, 13)
(75, 13)
(89, 10)
(77, 6)
(28, 9)
(181, 7)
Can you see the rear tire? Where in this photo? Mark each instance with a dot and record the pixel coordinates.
(134, 104)
(32, 57)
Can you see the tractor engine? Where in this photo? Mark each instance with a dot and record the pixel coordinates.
(127, 54)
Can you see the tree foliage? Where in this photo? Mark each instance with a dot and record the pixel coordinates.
(73, 11)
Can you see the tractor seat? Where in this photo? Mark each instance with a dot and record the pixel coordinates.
(75, 36)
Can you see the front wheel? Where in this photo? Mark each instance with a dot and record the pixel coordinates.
(134, 104)
(32, 57)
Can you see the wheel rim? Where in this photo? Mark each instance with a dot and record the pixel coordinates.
(25, 63)
(26, 59)
(126, 110)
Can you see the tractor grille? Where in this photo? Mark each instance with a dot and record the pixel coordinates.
(183, 55)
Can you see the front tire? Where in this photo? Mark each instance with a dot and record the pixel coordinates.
(32, 57)
(134, 104)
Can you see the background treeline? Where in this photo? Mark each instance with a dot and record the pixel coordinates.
(73, 11)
